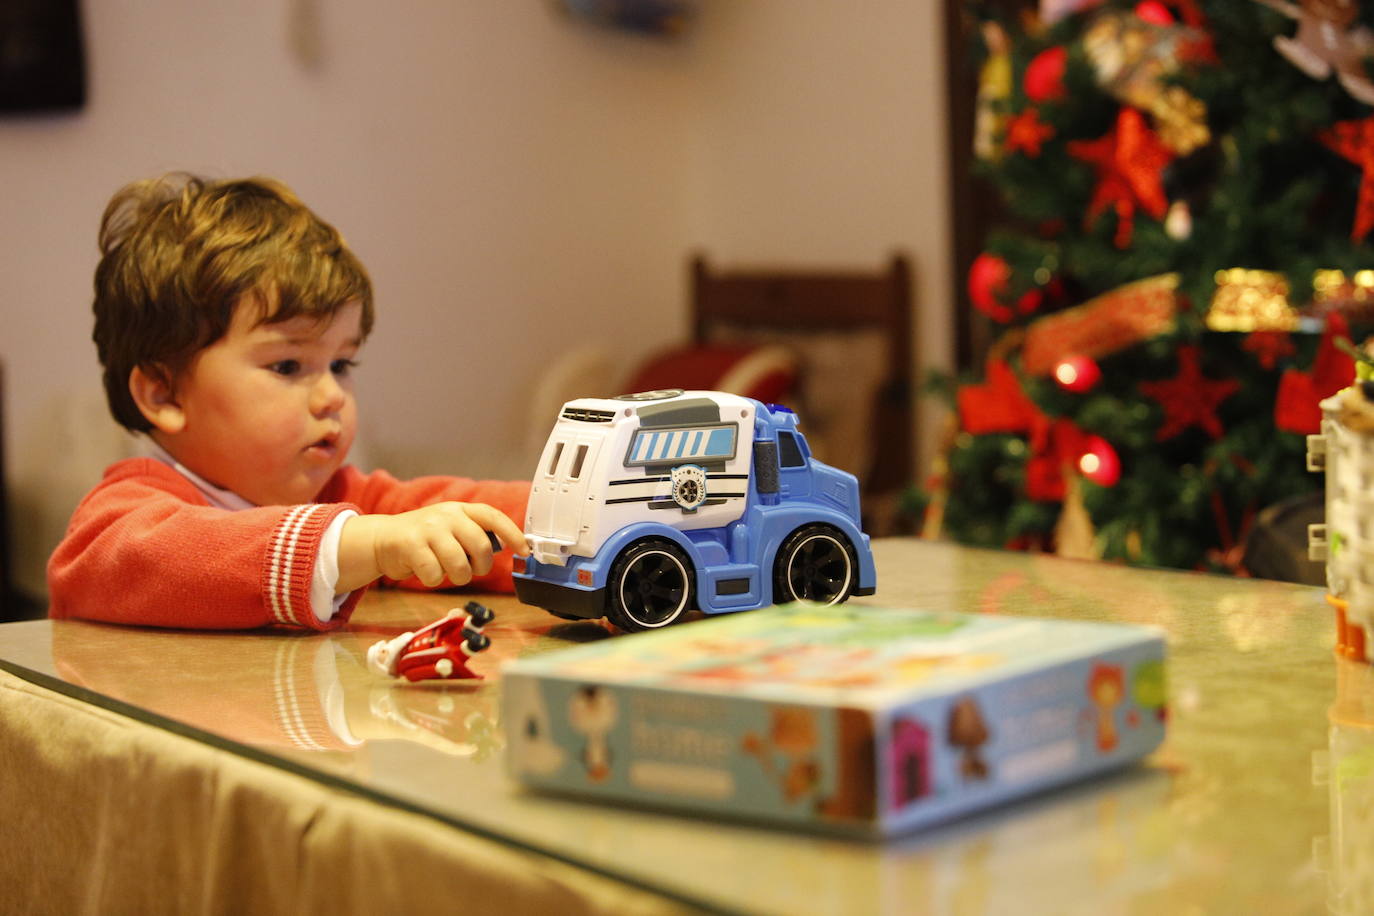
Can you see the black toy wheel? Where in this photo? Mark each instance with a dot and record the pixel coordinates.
(816, 563)
(650, 586)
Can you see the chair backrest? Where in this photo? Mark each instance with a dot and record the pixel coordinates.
(852, 329)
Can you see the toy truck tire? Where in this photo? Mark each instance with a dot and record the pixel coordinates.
(815, 563)
(650, 586)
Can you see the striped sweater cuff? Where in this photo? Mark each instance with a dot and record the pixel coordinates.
(290, 564)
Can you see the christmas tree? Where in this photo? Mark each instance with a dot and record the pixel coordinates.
(1187, 191)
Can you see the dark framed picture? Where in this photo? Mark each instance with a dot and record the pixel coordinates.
(659, 18)
(42, 60)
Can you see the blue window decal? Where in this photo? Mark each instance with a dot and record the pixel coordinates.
(686, 443)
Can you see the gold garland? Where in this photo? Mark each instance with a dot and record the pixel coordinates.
(1258, 300)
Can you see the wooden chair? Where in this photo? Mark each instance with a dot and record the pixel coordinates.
(862, 315)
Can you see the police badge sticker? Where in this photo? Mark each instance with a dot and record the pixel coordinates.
(689, 486)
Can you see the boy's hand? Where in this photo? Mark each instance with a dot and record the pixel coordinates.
(444, 540)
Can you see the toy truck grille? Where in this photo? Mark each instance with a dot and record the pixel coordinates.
(588, 415)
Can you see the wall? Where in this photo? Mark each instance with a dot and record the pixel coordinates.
(517, 184)
(819, 139)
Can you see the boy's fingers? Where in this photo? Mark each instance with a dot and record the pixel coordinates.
(475, 539)
(420, 560)
(410, 561)
(497, 522)
(455, 562)
(511, 535)
(428, 571)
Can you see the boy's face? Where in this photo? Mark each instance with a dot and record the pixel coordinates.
(268, 412)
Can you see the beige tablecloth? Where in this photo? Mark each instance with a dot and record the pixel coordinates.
(104, 814)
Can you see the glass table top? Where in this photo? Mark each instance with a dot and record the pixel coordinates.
(1261, 797)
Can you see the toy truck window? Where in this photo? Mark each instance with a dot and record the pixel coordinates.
(553, 462)
(578, 461)
(789, 453)
(676, 445)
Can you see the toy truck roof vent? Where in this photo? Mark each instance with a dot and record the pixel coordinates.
(588, 415)
(658, 394)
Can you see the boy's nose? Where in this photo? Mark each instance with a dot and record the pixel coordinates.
(328, 395)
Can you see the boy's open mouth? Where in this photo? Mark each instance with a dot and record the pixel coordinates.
(325, 443)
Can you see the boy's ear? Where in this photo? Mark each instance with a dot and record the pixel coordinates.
(152, 391)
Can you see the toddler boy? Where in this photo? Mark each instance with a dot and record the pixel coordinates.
(228, 320)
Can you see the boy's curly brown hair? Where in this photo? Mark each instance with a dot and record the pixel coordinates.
(179, 253)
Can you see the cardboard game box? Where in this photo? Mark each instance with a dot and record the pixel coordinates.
(852, 718)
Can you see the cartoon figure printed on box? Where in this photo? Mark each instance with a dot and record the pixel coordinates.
(909, 748)
(1106, 689)
(968, 732)
(531, 737)
(648, 505)
(792, 739)
(1345, 451)
(816, 759)
(593, 712)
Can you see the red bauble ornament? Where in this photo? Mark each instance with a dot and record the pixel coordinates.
(1030, 301)
(1077, 374)
(1154, 12)
(988, 277)
(1044, 79)
(1099, 462)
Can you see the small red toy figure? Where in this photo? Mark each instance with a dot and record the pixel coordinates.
(440, 650)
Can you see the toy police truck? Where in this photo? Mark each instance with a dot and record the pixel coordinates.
(647, 505)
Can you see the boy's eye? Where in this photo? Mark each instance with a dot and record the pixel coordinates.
(286, 367)
(342, 366)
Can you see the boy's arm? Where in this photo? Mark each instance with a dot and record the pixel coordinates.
(144, 550)
(381, 494)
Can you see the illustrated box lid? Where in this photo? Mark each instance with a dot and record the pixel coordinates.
(853, 655)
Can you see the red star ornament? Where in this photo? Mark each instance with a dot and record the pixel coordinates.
(1128, 160)
(1268, 346)
(1189, 398)
(1026, 132)
(997, 406)
(1355, 141)
(1297, 405)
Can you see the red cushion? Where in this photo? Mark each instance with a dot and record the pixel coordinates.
(764, 372)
